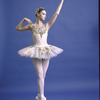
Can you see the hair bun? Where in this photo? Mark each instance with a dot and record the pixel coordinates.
(38, 10)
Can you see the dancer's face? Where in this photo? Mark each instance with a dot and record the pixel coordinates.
(42, 15)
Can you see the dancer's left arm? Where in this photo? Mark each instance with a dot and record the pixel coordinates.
(54, 17)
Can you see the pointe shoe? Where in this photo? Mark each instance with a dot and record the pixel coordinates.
(45, 98)
(38, 98)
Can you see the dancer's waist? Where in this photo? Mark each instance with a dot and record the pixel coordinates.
(40, 44)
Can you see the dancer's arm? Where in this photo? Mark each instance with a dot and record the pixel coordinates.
(25, 28)
(54, 17)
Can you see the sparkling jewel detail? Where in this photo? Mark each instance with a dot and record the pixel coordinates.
(39, 30)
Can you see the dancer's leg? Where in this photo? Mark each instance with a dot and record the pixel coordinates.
(38, 66)
(45, 65)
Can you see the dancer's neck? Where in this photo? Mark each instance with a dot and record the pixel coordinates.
(39, 22)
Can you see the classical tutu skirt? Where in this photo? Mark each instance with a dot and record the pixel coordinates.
(45, 52)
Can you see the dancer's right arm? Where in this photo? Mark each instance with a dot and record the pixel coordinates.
(25, 28)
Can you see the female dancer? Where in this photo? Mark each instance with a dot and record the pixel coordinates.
(41, 51)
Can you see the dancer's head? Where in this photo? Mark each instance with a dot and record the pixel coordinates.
(40, 13)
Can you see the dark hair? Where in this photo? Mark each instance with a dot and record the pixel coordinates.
(38, 10)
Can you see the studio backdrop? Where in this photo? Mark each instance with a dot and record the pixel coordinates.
(73, 74)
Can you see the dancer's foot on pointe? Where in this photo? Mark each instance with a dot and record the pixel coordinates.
(40, 98)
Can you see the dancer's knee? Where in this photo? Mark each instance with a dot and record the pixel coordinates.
(40, 76)
(44, 75)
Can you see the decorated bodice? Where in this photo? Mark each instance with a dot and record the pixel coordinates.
(39, 35)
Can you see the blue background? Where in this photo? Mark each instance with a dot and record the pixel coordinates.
(72, 75)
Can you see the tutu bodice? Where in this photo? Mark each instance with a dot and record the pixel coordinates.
(39, 36)
(40, 49)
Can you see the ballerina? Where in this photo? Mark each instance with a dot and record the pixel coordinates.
(40, 51)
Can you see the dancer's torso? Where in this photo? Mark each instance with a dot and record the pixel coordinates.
(39, 35)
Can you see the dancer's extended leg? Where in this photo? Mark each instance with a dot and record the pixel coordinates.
(39, 70)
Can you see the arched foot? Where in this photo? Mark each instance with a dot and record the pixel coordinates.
(38, 98)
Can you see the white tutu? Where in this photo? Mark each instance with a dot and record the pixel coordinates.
(45, 52)
(41, 49)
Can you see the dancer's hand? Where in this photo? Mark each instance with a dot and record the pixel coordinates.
(62, 0)
(28, 20)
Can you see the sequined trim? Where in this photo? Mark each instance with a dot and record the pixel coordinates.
(39, 30)
(44, 50)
